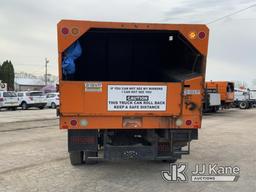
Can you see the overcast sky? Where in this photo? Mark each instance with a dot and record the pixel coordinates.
(28, 29)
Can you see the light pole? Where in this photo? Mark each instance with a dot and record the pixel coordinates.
(45, 76)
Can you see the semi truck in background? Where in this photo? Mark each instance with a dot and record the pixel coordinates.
(226, 91)
(212, 100)
(130, 90)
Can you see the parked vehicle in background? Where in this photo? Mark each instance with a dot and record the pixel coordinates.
(245, 98)
(212, 100)
(226, 90)
(53, 100)
(9, 100)
(29, 99)
(252, 93)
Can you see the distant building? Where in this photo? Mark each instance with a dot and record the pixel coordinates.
(28, 84)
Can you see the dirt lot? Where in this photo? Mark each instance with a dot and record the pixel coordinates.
(33, 157)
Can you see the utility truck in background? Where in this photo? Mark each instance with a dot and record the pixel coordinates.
(245, 98)
(212, 100)
(130, 90)
(225, 89)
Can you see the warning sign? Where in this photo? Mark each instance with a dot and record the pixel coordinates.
(136, 98)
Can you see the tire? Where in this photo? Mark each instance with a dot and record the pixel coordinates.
(243, 105)
(88, 160)
(24, 106)
(76, 158)
(169, 160)
(53, 105)
(214, 109)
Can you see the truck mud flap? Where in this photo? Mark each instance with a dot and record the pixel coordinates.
(82, 140)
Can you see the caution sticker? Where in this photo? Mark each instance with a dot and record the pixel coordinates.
(136, 98)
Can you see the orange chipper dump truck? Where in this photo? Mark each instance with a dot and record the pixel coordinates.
(226, 90)
(131, 90)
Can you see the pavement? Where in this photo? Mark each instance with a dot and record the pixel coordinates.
(33, 157)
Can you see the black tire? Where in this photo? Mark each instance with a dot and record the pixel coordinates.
(89, 160)
(41, 107)
(169, 160)
(243, 105)
(53, 105)
(24, 106)
(214, 109)
(76, 158)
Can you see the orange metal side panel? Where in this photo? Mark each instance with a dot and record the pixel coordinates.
(75, 100)
(92, 106)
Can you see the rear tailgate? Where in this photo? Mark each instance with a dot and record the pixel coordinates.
(120, 98)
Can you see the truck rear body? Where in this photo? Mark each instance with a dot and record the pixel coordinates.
(131, 80)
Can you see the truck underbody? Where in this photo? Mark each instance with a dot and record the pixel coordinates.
(155, 144)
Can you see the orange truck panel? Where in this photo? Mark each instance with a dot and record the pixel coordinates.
(183, 99)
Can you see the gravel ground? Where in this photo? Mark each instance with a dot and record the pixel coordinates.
(33, 157)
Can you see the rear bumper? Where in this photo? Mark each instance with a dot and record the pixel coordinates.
(126, 122)
(6, 105)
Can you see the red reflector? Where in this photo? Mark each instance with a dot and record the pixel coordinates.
(64, 126)
(73, 122)
(201, 35)
(188, 122)
(64, 30)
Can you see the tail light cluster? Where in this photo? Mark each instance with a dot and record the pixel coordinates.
(73, 31)
(179, 122)
(1, 99)
(31, 98)
(194, 35)
(82, 122)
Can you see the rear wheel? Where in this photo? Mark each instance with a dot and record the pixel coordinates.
(76, 158)
(53, 105)
(243, 105)
(169, 160)
(24, 105)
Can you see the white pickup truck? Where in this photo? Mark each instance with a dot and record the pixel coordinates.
(32, 99)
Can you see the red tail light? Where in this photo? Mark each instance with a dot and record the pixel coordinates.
(1, 99)
(73, 122)
(201, 35)
(188, 122)
(31, 98)
(65, 31)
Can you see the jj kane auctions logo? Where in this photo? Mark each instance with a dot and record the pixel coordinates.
(201, 173)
